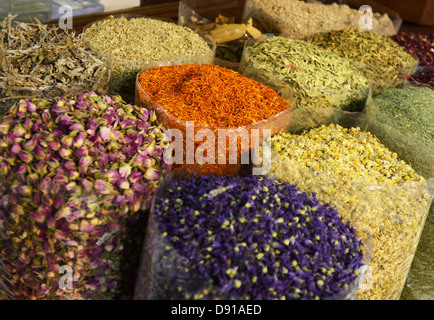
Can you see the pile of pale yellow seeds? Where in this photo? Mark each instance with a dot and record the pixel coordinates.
(382, 197)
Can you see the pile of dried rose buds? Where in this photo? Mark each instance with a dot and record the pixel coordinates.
(250, 238)
(76, 174)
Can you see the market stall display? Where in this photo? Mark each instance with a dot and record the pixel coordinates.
(247, 238)
(282, 151)
(369, 186)
(41, 61)
(136, 41)
(77, 174)
(215, 99)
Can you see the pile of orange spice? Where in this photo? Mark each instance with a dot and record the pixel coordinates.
(211, 95)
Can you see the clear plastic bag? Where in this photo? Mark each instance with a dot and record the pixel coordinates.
(421, 156)
(197, 16)
(162, 268)
(311, 17)
(125, 71)
(394, 214)
(275, 124)
(408, 146)
(320, 109)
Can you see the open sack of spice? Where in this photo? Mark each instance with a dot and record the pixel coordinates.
(140, 40)
(298, 19)
(247, 238)
(346, 166)
(320, 81)
(228, 31)
(215, 115)
(379, 58)
(37, 60)
(77, 175)
(406, 117)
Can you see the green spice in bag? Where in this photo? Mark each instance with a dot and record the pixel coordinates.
(407, 112)
(411, 110)
(379, 58)
(370, 187)
(318, 78)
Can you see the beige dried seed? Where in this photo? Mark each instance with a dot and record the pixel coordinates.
(372, 200)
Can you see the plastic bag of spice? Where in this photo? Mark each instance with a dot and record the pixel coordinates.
(139, 40)
(300, 19)
(64, 63)
(234, 236)
(69, 225)
(232, 112)
(368, 184)
(321, 82)
(386, 67)
(404, 118)
(226, 28)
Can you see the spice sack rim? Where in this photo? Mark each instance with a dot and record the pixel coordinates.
(206, 36)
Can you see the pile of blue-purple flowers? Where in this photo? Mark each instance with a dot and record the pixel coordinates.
(251, 238)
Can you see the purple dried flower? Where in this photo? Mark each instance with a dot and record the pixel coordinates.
(151, 174)
(15, 148)
(104, 132)
(125, 171)
(84, 161)
(75, 126)
(79, 139)
(64, 121)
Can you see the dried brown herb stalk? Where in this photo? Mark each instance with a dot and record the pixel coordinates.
(5, 281)
(39, 60)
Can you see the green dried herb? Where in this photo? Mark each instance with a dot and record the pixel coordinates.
(407, 114)
(317, 77)
(378, 57)
(411, 110)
